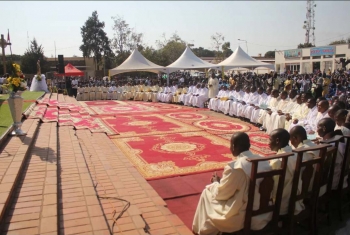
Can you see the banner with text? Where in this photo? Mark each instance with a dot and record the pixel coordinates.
(318, 51)
(292, 53)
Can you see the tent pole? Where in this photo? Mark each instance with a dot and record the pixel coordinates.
(222, 73)
(167, 79)
(206, 73)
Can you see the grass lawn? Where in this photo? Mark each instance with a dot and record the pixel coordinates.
(5, 114)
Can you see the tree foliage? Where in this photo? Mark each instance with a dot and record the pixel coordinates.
(125, 38)
(342, 41)
(305, 45)
(270, 54)
(201, 52)
(95, 41)
(169, 50)
(30, 58)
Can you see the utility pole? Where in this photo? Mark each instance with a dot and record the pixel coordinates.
(3, 46)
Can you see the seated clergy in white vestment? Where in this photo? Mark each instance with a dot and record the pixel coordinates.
(263, 102)
(184, 92)
(199, 100)
(224, 97)
(191, 90)
(92, 93)
(104, 93)
(155, 89)
(168, 97)
(299, 112)
(225, 104)
(194, 94)
(298, 139)
(233, 105)
(322, 108)
(234, 93)
(274, 101)
(98, 92)
(163, 95)
(325, 129)
(279, 140)
(176, 95)
(285, 107)
(253, 101)
(274, 112)
(310, 117)
(242, 103)
(214, 102)
(222, 205)
(160, 93)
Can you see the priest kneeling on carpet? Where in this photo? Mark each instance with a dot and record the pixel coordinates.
(222, 205)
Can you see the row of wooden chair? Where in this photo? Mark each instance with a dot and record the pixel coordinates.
(317, 172)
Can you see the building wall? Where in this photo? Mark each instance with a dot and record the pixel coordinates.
(306, 63)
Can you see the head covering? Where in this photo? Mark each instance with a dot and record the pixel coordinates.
(287, 82)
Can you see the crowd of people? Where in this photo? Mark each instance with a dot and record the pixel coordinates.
(297, 111)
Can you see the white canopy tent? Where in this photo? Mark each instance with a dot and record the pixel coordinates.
(241, 59)
(188, 60)
(137, 62)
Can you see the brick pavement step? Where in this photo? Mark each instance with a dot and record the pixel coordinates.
(33, 209)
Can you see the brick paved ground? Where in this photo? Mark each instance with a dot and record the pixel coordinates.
(75, 182)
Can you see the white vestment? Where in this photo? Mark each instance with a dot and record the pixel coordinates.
(233, 105)
(222, 205)
(214, 102)
(213, 85)
(288, 181)
(263, 102)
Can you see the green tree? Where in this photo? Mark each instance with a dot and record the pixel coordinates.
(30, 58)
(226, 50)
(170, 49)
(305, 45)
(201, 52)
(95, 41)
(342, 41)
(218, 40)
(270, 54)
(125, 39)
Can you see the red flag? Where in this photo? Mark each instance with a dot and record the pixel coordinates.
(8, 35)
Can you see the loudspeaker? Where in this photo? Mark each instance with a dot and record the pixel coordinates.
(61, 64)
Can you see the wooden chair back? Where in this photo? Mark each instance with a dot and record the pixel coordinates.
(345, 171)
(329, 163)
(304, 170)
(265, 190)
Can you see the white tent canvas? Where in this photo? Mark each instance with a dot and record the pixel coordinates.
(241, 59)
(188, 60)
(137, 62)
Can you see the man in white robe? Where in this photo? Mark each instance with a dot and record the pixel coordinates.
(310, 117)
(263, 102)
(325, 129)
(253, 101)
(191, 90)
(239, 94)
(184, 92)
(269, 118)
(299, 113)
(274, 101)
(226, 104)
(242, 103)
(225, 96)
(222, 205)
(278, 118)
(279, 140)
(201, 98)
(213, 85)
(194, 94)
(322, 108)
(214, 102)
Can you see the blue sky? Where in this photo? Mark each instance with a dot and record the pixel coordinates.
(265, 25)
